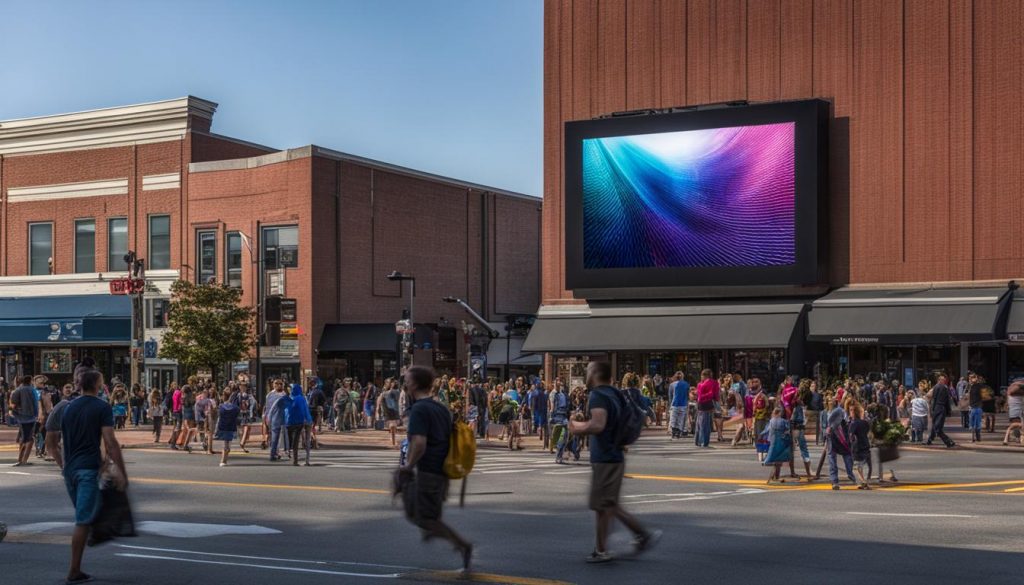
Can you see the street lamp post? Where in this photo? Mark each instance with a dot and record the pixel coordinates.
(407, 348)
(491, 332)
(258, 264)
(137, 270)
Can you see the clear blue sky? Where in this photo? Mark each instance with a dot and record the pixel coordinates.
(446, 86)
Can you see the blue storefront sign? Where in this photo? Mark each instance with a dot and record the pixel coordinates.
(65, 319)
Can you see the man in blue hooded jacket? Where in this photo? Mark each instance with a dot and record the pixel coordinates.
(273, 415)
(297, 419)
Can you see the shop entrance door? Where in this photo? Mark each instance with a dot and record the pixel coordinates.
(161, 376)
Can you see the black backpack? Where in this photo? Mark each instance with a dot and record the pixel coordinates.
(630, 420)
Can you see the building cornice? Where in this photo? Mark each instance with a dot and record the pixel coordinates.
(313, 150)
(103, 128)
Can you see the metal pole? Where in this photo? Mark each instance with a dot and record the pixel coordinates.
(412, 319)
(508, 350)
(259, 314)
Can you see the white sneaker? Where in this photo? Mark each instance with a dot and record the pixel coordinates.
(223, 464)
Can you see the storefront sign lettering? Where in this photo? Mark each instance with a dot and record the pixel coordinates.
(854, 340)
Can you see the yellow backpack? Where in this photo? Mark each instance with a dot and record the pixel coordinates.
(461, 451)
(461, 456)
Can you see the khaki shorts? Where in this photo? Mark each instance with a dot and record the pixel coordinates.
(605, 485)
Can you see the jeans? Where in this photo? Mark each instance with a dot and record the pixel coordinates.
(276, 437)
(136, 415)
(975, 420)
(560, 437)
(703, 437)
(938, 426)
(801, 441)
(833, 466)
(295, 439)
(677, 420)
(83, 488)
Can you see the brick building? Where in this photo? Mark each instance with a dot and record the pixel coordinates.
(325, 227)
(924, 165)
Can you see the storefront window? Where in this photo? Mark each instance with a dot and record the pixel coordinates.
(206, 256)
(117, 244)
(933, 360)
(40, 237)
(281, 247)
(628, 362)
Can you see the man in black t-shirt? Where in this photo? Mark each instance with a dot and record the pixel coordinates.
(607, 461)
(478, 398)
(425, 483)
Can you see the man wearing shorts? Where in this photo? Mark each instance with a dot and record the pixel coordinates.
(25, 408)
(607, 462)
(426, 485)
(83, 423)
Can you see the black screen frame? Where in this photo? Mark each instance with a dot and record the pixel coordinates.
(811, 185)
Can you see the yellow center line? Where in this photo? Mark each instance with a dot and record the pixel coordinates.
(943, 486)
(1012, 490)
(265, 486)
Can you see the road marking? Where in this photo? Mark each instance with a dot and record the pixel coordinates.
(567, 472)
(263, 558)
(1012, 490)
(943, 486)
(910, 515)
(16, 473)
(199, 530)
(694, 479)
(267, 486)
(271, 567)
(507, 471)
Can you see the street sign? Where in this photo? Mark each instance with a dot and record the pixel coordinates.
(289, 310)
(127, 286)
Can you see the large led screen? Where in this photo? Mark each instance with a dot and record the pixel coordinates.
(715, 197)
(702, 197)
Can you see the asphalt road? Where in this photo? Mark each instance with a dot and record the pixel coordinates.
(954, 517)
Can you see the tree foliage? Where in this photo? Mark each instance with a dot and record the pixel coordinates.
(207, 326)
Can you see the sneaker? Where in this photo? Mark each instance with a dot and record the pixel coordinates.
(599, 557)
(863, 486)
(223, 464)
(647, 541)
(835, 486)
(80, 578)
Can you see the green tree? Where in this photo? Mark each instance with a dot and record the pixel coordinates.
(207, 326)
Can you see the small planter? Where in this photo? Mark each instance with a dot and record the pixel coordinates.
(888, 453)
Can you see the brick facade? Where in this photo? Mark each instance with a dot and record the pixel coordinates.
(357, 221)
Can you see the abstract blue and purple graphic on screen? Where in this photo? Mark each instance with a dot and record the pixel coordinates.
(699, 198)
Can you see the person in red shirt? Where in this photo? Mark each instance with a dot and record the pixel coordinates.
(708, 391)
(789, 396)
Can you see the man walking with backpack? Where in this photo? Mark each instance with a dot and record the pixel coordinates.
(611, 427)
(423, 482)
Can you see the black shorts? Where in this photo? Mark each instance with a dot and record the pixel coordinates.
(28, 432)
(605, 485)
(1015, 419)
(424, 497)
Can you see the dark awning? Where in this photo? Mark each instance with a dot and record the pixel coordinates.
(666, 328)
(1015, 321)
(908, 316)
(66, 319)
(513, 348)
(339, 337)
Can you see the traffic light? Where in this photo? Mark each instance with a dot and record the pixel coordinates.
(272, 335)
(272, 309)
